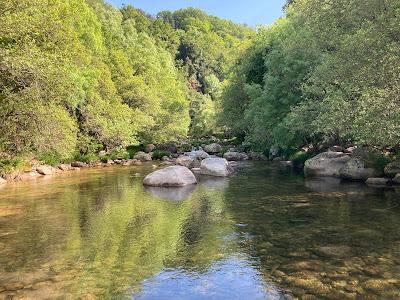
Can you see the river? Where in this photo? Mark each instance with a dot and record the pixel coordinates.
(264, 233)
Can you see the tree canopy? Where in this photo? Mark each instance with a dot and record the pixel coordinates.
(327, 73)
(78, 75)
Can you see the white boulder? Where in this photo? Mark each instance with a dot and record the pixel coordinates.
(216, 167)
(170, 177)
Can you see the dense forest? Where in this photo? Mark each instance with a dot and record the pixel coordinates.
(328, 73)
(80, 76)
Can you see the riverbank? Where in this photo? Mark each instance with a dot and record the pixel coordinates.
(363, 164)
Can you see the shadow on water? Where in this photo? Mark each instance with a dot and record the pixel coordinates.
(264, 233)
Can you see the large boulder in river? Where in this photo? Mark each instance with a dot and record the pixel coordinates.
(235, 156)
(170, 177)
(213, 148)
(392, 169)
(326, 164)
(142, 156)
(355, 169)
(215, 167)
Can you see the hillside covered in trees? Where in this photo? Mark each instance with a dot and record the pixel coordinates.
(80, 76)
(327, 74)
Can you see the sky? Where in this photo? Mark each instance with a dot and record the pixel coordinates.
(251, 12)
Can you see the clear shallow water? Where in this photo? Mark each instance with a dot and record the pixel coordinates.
(265, 233)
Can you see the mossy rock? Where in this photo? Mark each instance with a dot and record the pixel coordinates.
(392, 169)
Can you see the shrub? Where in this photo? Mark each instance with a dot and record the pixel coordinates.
(377, 161)
(185, 148)
(158, 154)
(9, 165)
(299, 157)
(51, 159)
(89, 157)
(133, 149)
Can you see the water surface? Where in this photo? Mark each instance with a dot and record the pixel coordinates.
(264, 233)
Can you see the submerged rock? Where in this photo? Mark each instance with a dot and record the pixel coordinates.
(378, 181)
(355, 169)
(216, 167)
(235, 156)
(213, 148)
(173, 176)
(326, 164)
(333, 251)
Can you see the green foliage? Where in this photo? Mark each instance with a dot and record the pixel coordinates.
(83, 76)
(9, 165)
(88, 157)
(326, 74)
(185, 147)
(203, 112)
(374, 159)
(158, 154)
(51, 159)
(133, 149)
(299, 157)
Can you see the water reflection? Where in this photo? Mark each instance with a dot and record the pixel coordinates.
(214, 182)
(231, 278)
(172, 193)
(263, 233)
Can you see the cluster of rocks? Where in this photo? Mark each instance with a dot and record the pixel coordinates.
(37, 170)
(352, 165)
(180, 171)
(180, 175)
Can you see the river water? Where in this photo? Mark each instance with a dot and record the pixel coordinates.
(264, 233)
